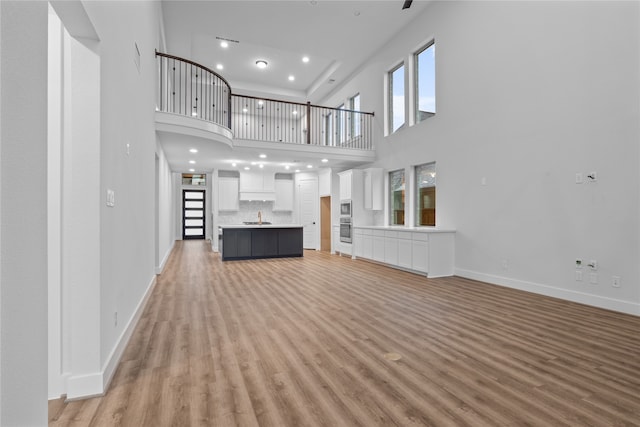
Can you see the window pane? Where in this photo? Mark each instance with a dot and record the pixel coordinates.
(194, 179)
(426, 83)
(426, 194)
(193, 222)
(396, 85)
(193, 204)
(194, 214)
(194, 195)
(396, 197)
(355, 117)
(341, 126)
(193, 232)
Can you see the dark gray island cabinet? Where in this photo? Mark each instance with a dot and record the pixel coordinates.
(260, 241)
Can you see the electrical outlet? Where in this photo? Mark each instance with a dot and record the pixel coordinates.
(578, 262)
(593, 278)
(593, 264)
(615, 281)
(578, 275)
(592, 176)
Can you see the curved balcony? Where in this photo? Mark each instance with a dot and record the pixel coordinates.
(189, 90)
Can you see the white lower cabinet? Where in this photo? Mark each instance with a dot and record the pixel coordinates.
(419, 254)
(404, 250)
(428, 252)
(391, 247)
(377, 245)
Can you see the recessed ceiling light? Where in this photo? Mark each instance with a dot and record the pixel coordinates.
(263, 156)
(253, 163)
(244, 110)
(220, 67)
(305, 59)
(224, 44)
(294, 112)
(287, 167)
(233, 164)
(309, 166)
(195, 113)
(292, 78)
(192, 170)
(247, 168)
(261, 165)
(325, 160)
(193, 162)
(297, 170)
(261, 102)
(193, 150)
(261, 63)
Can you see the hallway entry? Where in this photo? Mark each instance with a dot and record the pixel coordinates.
(193, 203)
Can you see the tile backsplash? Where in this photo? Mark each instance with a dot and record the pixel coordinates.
(249, 212)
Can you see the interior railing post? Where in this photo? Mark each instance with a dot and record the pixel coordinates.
(308, 122)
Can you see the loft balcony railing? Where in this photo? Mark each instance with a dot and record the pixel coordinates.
(189, 89)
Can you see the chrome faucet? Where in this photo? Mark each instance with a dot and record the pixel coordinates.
(259, 217)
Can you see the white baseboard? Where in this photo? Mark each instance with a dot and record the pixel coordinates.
(111, 364)
(551, 291)
(166, 257)
(84, 386)
(95, 384)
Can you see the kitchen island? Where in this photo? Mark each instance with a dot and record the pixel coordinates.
(253, 241)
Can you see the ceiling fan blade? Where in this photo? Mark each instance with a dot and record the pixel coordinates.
(407, 4)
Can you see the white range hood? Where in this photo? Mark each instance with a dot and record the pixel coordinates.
(257, 185)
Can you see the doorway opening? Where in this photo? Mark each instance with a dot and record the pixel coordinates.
(325, 224)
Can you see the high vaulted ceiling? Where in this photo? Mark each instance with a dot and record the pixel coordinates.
(337, 36)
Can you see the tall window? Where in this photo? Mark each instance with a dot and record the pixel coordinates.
(396, 197)
(425, 186)
(425, 60)
(396, 98)
(341, 126)
(354, 104)
(328, 129)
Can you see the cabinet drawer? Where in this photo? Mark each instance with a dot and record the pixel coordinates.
(406, 235)
(378, 233)
(420, 237)
(391, 234)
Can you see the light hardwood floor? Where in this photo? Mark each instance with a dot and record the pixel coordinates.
(311, 341)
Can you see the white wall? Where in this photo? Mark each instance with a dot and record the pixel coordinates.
(23, 206)
(166, 211)
(127, 104)
(528, 95)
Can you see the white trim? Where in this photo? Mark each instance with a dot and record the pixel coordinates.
(97, 383)
(111, 364)
(84, 386)
(166, 257)
(552, 291)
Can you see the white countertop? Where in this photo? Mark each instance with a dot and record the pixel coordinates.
(260, 226)
(407, 228)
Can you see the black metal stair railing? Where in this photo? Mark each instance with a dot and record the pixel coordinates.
(190, 89)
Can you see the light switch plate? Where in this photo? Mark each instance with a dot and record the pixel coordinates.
(111, 198)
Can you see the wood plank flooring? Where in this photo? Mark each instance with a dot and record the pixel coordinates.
(308, 342)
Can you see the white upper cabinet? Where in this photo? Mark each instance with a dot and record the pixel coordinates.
(228, 194)
(373, 189)
(345, 184)
(284, 195)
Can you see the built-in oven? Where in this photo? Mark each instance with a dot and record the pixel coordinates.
(345, 208)
(345, 229)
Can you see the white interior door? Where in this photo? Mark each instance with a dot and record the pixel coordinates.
(308, 208)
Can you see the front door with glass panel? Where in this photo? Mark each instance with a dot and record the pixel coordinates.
(193, 214)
